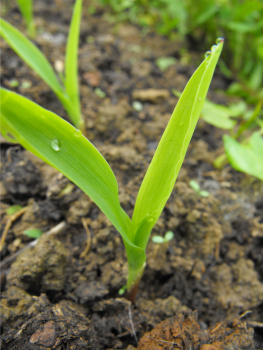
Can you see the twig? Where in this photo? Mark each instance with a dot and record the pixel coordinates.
(216, 327)
(255, 324)
(84, 223)
(9, 223)
(245, 313)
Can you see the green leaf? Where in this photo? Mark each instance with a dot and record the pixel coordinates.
(26, 8)
(13, 209)
(205, 15)
(59, 144)
(66, 149)
(242, 27)
(168, 236)
(194, 185)
(158, 239)
(165, 62)
(71, 64)
(218, 115)
(255, 79)
(33, 232)
(100, 93)
(30, 54)
(36, 60)
(166, 163)
(204, 194)
(246, 158)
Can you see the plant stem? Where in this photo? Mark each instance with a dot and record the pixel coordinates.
(133, 287)
(131, 294)
(137, 263)
(31, 29)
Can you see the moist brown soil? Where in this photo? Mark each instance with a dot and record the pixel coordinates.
(198, 288)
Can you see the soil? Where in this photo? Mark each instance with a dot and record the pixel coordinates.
(203, 290)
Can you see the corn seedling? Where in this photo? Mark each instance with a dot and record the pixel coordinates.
(68, 94)
(196, 187)
(167, 237)
(26, 8)
(65, 148)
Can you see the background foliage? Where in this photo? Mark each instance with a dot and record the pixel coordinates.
(197, 23)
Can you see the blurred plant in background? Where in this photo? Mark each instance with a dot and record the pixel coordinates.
(26, 9)
(240, 22)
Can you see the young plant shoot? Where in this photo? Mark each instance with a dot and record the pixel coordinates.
(26, 8)
(167, 237)
(196, 187)
(67, 94)
(66, 149)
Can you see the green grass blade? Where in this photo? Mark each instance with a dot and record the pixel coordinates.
(36, 60)
(30, 54)
(26, 8)
(71, 64)
(166, 163)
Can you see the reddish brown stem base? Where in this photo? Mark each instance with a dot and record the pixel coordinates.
(131, 294)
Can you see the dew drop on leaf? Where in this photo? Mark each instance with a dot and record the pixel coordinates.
(208, 53)
(55, 145)
(77, 133)
(213, 48)
(219, 40)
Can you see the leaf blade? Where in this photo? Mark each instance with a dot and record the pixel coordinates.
(35, 129)
(30, 54)
(71, 63)
(246, 158)
(166, 163)
(26, 8)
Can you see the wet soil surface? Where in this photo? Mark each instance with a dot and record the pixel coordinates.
(204, 289)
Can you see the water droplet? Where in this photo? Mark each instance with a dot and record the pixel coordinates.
(55, 145)
(220, 40)
(208, 53)
(213, 48)
(78, 133)
(148, 217)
